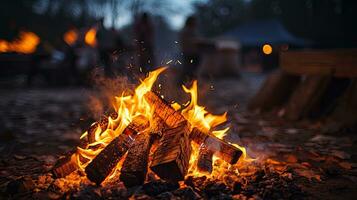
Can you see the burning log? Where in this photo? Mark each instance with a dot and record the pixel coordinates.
(107, 159)
(171, 159)
(67, 164)
(134, 169)
(169, 115)
(204, 162)
(222, 149)
(103, 124)
(172, 118)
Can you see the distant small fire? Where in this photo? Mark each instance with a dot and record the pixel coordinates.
(71, 36)
(90, 37)
(26, 43)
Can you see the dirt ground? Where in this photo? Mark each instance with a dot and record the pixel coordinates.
(38, 125)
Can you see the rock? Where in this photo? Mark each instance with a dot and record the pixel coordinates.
(166, 196)
(186, 193)
(154, 188)
(22, 185)
(237, 188)
(215, 188)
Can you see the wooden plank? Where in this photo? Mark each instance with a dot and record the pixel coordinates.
(104, 163)
(134, 169)
(204, 162)
(307, 95)
(275, 91)
(171, 158)
(338, 62)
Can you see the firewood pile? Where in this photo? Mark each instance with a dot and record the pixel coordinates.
(312, 84)
(159, 142)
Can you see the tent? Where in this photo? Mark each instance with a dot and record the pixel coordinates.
(257, 33)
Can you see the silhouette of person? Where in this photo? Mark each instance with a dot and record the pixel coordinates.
(190, 55)
(144, 33)
(106, 40)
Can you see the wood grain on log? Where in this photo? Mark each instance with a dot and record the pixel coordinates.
(107, 159)
(222, 149)
(171, 158)
(204, 162)
(67, 163)
(164, 110)
(104, 163)
(134, 169)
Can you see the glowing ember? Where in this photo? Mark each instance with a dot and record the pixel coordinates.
(26, 43)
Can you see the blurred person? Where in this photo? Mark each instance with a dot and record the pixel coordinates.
(144, 33)
(190, 55)
(106, 40)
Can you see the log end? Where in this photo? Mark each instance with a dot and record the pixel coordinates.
(132, 178)
(168, 171)
(64, 166)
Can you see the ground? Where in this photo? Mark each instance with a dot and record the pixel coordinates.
(293, 160)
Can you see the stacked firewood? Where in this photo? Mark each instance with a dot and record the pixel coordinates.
(170, 161)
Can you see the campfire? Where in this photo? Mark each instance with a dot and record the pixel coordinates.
(146, 135)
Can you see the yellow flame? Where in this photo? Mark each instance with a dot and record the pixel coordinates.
(176, 106)
(26, 43)
(90, 37)
(198, 116)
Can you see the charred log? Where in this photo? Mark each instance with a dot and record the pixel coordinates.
(103, 164)
(107, 159)
(169, 115)
(222, 149)
(171, 158)
(134, 169)
(67, 163)
(204, 162)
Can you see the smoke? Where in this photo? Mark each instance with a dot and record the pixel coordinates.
(106, 89)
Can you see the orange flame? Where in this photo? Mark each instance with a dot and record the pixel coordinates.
(26, 43)
(90, 37)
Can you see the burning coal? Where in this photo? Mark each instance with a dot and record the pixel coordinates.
(145, 133)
